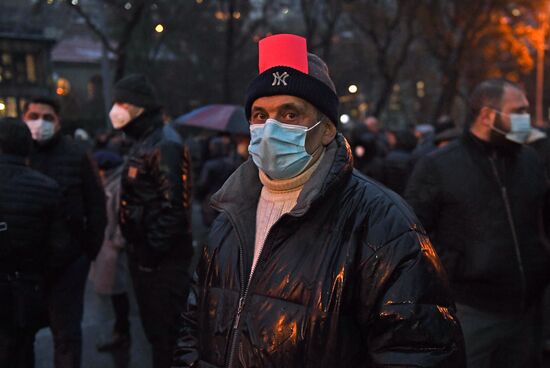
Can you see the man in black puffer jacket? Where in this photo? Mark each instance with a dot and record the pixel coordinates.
(154, 213)
(310, 264)
(481, 198)
(33, 243)
(71, 166)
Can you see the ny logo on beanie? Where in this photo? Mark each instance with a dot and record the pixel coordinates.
(279, 78)
(286, 68)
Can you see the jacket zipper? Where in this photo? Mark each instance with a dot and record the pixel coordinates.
(244, 289)
(506, 200)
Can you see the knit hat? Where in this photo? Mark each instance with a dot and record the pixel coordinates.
(136, 90)
(286, 68)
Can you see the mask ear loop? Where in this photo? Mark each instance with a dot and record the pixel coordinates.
(320, 145)
(313, 127)
(499, 131)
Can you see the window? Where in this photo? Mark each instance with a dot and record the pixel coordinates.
(18, 67)
(31, 68)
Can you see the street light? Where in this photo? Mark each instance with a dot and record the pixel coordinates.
(344, 118)
(159, 28)
(352, 88)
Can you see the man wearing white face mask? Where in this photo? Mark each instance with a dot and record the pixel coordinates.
(311, 264)
(154, 212)
(481, 198)
(71, 166)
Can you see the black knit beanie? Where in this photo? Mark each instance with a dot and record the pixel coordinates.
(135, 89)
(316, 87)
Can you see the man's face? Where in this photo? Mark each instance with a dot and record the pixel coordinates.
(38, 111)
(133, 110)
(294, 111)
(372, 124)
(513, 102)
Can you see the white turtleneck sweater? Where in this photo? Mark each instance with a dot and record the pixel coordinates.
(277, 198)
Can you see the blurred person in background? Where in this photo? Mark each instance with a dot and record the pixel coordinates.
(109, 272)
(367, 157)
(214, 173)
(34, 244)
(398, 163)
(425, 141)
(154, 212)
(481, 199)
(72, 167)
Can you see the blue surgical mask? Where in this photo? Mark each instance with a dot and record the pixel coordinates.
(520, 127)
(41, 130)
(278, 149)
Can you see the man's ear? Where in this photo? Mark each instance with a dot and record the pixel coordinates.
(486, 116)
(329, 132)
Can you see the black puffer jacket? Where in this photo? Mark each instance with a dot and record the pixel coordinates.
(460, 199)
(155, 198)
(33, 232)
(72, 167)
(346, 279)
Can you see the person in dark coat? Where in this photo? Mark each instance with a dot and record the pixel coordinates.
(71, 166)
(367, 157)
(109, 272)
(33, 243)
(310, 263)
(399, 162)
(214, 173)
(481, 199)
(154, 213)
(425, 134)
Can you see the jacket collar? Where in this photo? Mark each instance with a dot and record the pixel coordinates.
(47, 145)
(15, 160)
(488, 149)
(241, 192)
(144, 124)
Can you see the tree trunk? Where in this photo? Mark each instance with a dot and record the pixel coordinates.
(445, 101)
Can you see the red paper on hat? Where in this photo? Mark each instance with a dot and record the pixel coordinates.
(283, 50)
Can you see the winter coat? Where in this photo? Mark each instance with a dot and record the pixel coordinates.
(397, 168)
(72, 167)
(213, 174)
(155, 194)
(33, 232)
(475, 201)
(108, 272)
(347, 279)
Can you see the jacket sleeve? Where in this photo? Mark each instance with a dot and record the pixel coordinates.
(407, 315)
(94, 207)
(186, 351)
(422, 193)
(171, 175)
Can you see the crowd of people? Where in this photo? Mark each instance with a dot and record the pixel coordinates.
(319, 251)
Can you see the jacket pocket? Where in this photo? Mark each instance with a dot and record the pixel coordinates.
(131, 223)
(274, 329)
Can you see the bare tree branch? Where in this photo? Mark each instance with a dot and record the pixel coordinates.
(93, 27)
